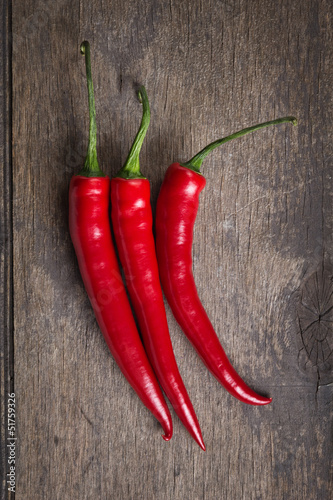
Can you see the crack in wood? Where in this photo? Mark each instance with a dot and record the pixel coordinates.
(315, 317)
(85, 416)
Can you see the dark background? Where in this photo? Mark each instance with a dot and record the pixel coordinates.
(262, 244)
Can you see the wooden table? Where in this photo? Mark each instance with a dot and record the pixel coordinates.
(262, 245)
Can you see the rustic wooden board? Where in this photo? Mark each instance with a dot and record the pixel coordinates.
(262, 245)
(6, 243)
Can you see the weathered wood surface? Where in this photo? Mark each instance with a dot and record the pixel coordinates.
(6, 233)
(262, 245)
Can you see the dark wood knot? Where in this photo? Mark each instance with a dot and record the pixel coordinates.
(315, 317)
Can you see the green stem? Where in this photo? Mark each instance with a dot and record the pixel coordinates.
(196, 162)
(131, 169)
(91, 168)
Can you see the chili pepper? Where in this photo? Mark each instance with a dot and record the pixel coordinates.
(176, 211)
(89, 200)
(132, 224)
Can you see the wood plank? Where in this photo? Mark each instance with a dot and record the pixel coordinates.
(6, 245)
(262, 244)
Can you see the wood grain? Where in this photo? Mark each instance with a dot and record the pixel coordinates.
(262, 244)
(6, 241)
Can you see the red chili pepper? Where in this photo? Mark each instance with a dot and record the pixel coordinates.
(132, 224)
(176, 211)
(89, 200)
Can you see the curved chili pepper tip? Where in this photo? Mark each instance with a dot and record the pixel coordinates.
(257, 401)
(202, 445)
(167, 426)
